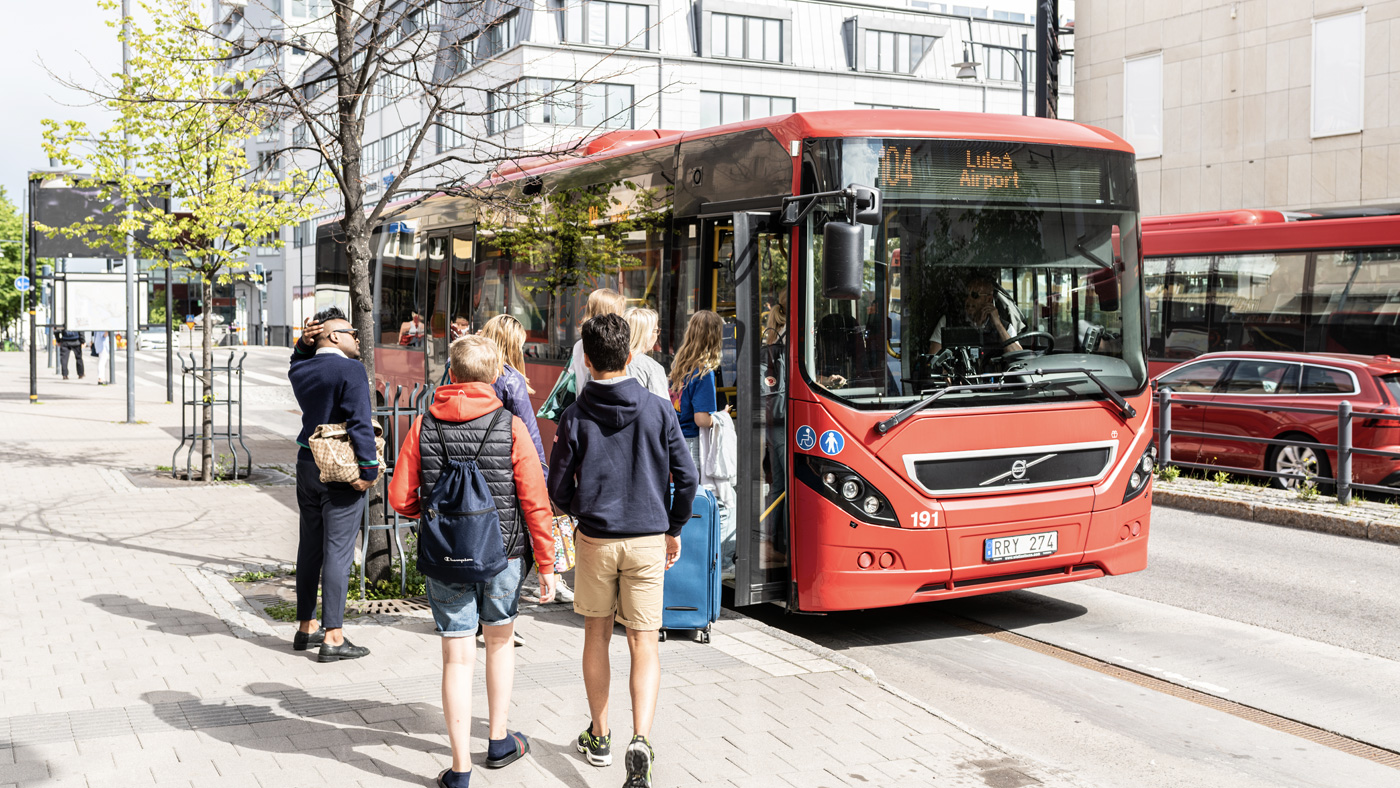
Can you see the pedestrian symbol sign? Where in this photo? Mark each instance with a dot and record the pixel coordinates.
(806, 438)
(832, 442)
(22, 283)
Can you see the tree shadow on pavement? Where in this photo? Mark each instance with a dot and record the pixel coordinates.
(189, 623)
(227, 723)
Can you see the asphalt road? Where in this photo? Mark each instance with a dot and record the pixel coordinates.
(1295, 623)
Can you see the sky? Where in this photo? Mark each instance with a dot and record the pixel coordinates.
(68, 39)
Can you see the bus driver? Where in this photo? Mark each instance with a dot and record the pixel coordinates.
(980, 312)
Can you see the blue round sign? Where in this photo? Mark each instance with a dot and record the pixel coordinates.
(832, 442)
(21, 283)
(806, 438)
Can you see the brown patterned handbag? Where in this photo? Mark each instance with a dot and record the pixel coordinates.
(335, 456)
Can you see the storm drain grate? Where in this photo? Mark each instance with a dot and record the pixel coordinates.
(1302, 730)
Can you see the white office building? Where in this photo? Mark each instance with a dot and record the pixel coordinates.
(647, 64)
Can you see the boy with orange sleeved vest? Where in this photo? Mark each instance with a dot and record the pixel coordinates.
(464, 423)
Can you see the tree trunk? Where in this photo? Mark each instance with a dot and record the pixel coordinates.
(206, 380)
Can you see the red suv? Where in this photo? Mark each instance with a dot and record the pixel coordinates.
(1267, 381)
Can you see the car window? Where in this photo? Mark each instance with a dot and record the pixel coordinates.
(1326, 380)
(1195, 378)
(1392, 385)
(1262, 377)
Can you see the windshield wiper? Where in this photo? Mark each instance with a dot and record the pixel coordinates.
(1125, 410)
(885, 426)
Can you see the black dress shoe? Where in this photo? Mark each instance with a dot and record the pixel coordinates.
(346, 650)
(304, 640)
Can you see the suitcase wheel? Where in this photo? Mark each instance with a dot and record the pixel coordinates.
(703, 635)
(661, 635)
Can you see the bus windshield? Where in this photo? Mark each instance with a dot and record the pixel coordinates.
(1000, 272)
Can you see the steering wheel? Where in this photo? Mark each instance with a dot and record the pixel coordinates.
(1023, 354)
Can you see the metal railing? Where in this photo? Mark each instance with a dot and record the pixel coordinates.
(192, 404)
(396, 416)
(1345, 448)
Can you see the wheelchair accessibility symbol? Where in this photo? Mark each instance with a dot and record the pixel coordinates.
(832, 442)
(806, 438)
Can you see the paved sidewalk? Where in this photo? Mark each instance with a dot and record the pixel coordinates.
(129, 659)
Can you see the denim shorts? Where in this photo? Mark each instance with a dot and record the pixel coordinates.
(459, 607)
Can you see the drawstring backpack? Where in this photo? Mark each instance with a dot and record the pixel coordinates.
(459, 534)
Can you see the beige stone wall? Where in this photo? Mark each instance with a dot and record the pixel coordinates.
(1237, 97)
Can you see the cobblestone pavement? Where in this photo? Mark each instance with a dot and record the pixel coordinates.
(129, 658)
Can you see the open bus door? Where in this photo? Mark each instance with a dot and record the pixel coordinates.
(749, 255)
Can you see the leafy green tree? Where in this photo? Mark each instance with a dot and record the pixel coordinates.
(11, 262)
(180, 131)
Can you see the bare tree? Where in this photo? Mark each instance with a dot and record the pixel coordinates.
(450, 74)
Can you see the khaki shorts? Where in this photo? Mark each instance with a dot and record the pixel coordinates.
(621, 577)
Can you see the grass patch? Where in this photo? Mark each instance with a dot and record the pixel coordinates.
(417, 584)
(1168, 473)
(253, 576)
(284, 611)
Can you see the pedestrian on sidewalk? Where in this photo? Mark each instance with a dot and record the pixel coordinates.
(603, 301)
(514, 391)
(464, 422)
(692, 389)
(70, 342)
(102, 349)
(331, 388)
(615, 451)
(644, 328)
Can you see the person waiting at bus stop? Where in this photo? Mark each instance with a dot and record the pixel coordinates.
(982, 310)
(330, 386)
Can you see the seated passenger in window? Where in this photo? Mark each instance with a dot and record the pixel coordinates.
(983, 307)
(411, 332)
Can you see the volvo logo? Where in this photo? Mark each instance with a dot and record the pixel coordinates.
(1018, 471)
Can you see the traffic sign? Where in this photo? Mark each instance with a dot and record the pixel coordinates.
(22, 283)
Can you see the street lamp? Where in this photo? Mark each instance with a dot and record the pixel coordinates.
(967, 69)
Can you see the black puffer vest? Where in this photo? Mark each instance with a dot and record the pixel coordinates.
(462, 439)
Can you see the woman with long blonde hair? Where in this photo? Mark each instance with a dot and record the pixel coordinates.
(642, 323)
(512, 387)
(692, 378)
(603, 301)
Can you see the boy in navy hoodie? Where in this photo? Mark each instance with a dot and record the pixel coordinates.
(616, 451)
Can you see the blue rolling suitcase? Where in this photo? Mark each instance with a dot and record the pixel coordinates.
(690, 599)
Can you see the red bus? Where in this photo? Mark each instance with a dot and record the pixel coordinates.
(893, 445)
(1325, 282)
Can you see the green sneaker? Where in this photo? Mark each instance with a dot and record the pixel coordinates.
(598, 749)
(638, 762)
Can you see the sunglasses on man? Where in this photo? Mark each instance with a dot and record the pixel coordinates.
(354, 332)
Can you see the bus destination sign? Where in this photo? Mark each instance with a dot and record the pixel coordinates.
(989, 172)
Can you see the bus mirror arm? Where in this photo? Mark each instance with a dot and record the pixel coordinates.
(863, 205)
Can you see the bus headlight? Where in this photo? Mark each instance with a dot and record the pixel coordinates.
(1141, 473)
(844, 487)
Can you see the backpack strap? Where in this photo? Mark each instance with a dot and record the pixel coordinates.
(489, 429)
(437, 428)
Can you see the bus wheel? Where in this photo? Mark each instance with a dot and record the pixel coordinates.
(1299, 460)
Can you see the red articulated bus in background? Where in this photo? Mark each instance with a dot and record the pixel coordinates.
(893, 445)
(1315, 282)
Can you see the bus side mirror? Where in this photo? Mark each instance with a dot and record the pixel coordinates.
(843, 262)
(868, 206)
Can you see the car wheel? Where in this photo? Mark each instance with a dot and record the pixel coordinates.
(1299, 460)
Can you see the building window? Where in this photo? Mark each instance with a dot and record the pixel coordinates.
(559, 103)
(310, 9)
(386, 152)
(461, 56)
(498, 37)
(746, 37)
(862, 105)
(451, 129)
(620, 25)
(1142, 105)
(300, 135)
(717, 109)
(1004, 64)
(1338, 74)
(388, 89)
(895, 53)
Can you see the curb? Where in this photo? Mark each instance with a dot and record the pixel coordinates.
(1303, 518)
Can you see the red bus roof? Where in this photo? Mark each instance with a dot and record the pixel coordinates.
(841, 123)
(1194, 221)
(1169, 236)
